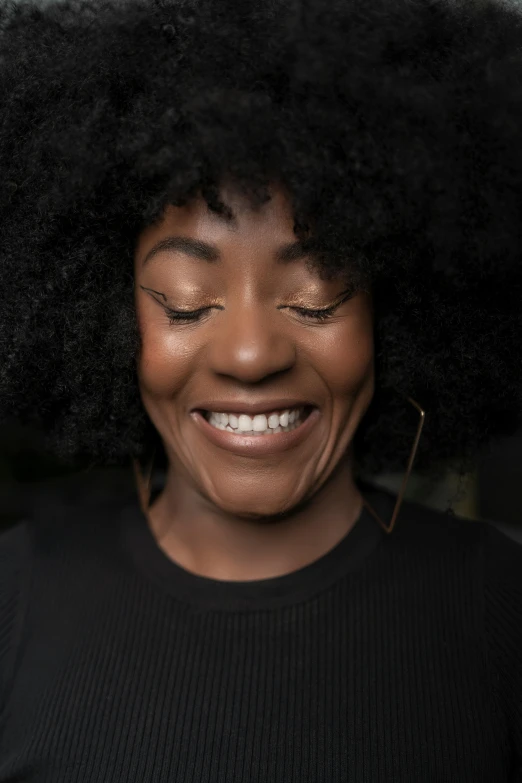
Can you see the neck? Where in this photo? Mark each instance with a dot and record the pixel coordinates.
(206, 541)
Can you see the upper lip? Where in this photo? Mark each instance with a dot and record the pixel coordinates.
(251, 408)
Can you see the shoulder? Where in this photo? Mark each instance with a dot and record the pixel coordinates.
(474, 557)
(15, 557)
(420, 529)
(502, 567)
(62, 519)
(15, 570)
(59, 516)
(478, 548)
(434, 535)
(502, 560)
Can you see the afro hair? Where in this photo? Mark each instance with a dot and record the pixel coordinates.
(395, 126)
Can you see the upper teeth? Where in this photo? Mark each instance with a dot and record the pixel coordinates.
(258, 423)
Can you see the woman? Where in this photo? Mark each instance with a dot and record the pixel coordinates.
(250, 250)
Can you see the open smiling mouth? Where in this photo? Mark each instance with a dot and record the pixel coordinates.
(260, 434)
(261, 424)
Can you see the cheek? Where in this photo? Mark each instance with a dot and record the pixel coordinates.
(345, 359)
(165, 359)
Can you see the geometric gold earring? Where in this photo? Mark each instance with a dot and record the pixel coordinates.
(143, 483)
(388, 528)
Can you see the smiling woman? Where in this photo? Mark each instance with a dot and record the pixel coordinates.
(264, 334)
(260, 251)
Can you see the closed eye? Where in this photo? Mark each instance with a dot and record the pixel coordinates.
(317, 315)
(182, 316)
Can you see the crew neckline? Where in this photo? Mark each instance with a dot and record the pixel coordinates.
(348, 555)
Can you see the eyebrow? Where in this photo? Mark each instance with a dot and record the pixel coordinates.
(209, 253)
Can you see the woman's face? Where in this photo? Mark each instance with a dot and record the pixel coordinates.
(250, 348)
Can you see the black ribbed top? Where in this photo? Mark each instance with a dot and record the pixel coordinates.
(389, 658)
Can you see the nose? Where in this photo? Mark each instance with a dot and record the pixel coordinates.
(249, 342)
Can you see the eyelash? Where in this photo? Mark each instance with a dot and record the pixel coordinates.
(180, 316)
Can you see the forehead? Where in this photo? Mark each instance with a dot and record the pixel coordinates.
(264, 226)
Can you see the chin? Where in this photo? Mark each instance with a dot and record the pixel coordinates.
(255, 507)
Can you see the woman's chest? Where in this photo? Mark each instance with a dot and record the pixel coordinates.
(293, 697)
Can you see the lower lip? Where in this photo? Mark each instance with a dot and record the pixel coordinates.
(256, 445)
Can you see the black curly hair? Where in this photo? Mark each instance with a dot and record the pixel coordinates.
(396, 128)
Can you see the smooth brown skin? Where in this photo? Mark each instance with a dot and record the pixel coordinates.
(232, 517)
